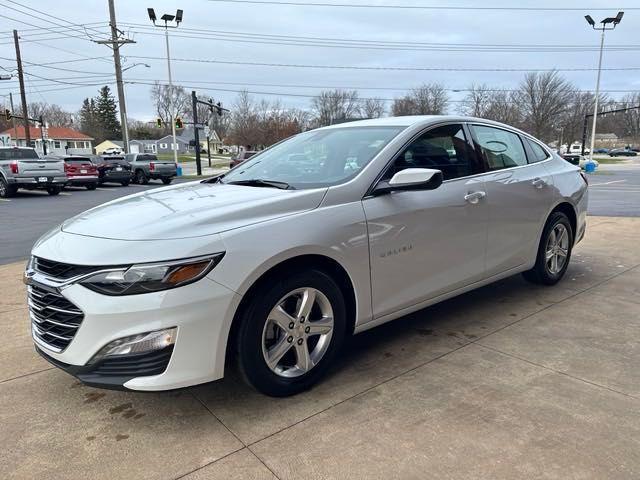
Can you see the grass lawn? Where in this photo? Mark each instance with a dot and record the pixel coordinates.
(608, 159)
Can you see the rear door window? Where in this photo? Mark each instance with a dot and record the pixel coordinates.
(147, 158)
(500, 148)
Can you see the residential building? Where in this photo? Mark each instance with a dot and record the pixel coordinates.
(59, 140)
(135, 146)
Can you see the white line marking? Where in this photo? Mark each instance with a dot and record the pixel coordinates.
(612, 190)
(104, 189)
(4, 200)
(66, 194)
(607, 183)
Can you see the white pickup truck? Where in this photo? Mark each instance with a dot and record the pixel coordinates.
(21, 167)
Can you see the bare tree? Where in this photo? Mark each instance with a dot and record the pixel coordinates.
(53, 114)
(334, 106)
(544, 99)
(162, 95)
(243, 129)
(373, 108)
(429, 99)
(477, 102)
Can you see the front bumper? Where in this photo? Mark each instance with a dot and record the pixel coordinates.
(202, 313)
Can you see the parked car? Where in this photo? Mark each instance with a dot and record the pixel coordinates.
(81, 171)
(274, 265)
(113, 169)
(146, 166)
(240, 157)
(622, 152)
(601, 150)
(113, 151)
(21, 167)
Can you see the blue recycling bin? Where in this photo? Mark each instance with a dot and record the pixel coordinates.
(590, 167)
(179, 170)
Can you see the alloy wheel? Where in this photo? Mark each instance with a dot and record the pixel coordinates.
(557, 249)
(298, 332)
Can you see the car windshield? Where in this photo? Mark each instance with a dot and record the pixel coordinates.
(319, 158)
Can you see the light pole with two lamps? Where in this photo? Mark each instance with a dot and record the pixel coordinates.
(612, 23)
(169, 18)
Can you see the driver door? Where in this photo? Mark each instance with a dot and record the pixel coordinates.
(424, 243)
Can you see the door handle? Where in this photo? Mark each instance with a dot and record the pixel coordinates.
(474, 197)
(538, 182)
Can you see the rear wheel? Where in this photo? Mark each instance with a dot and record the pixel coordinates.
(54, 190)
(166, 180)
(554, 251)
(141, 178)
(7, 190)
(290, 333)
(125, 183)
(91, 186)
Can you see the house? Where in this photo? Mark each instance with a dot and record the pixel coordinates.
(135, 146)
(59, 140)
(166, 145)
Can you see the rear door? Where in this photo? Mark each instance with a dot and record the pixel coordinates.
(519, 195)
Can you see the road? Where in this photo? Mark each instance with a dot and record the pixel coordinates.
(613, 191)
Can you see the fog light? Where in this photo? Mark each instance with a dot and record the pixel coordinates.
(141, 343)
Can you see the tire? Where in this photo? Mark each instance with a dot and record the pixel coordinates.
(7, 190)
(545, 271)
(125, 183)
(141, 178)
(167, 180)
(91, 186)
(257, 334)
(54, 190)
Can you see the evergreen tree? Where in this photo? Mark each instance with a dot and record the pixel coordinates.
(107, 114)
(89, 122)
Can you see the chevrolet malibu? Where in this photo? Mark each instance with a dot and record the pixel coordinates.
(272, 265)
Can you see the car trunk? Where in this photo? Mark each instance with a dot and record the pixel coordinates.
(116, 164)
(158, 167)
(79, 166)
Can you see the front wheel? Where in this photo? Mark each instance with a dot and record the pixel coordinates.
(290, 334)
(554, 251)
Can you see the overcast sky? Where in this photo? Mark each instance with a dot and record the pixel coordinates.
(496, 27)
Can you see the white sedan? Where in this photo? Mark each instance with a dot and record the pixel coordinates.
(274, 264)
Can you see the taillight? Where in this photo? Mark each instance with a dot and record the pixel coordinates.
(13, 165)
(152, 166)
(66, 167)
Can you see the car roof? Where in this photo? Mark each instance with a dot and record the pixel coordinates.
(424, 120)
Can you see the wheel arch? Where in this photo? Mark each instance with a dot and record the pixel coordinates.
(324, 263)
(569, 210)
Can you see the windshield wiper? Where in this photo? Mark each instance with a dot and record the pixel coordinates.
(258, 182)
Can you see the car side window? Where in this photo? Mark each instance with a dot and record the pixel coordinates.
(499, 148)
(442, 148)
(539, 154)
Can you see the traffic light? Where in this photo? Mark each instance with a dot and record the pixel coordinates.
(219, 108)
(7, 114)
(159, 122)
(179, 123)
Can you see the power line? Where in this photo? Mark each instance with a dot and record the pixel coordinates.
(420, 7)
(23, 22)
(379, 68)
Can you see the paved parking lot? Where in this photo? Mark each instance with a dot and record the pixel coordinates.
(509, 381)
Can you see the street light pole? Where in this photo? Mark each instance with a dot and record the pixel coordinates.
(614, 21)
(169, 18)
(174, 146)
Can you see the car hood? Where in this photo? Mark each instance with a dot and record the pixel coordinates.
(190, 210)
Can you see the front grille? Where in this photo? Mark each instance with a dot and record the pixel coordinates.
(54, 319)
(59, 270)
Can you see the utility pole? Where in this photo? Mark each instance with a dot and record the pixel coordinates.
(23, 94)
(42, 135)
(115, 43)
(13, 118)
(196, 132)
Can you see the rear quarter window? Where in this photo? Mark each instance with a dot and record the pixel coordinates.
(539, 153)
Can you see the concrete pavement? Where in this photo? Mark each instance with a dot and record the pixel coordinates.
(509, 381)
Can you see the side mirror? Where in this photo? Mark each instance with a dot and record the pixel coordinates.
(411, 179)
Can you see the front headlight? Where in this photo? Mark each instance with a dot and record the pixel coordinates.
(151, 277)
